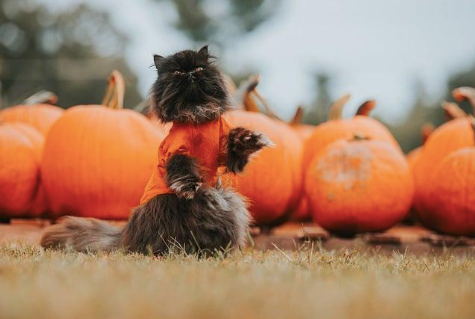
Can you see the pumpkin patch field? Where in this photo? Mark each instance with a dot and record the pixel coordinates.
(344, 224)
(241, 159)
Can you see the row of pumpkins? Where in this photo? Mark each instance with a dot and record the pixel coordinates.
(348, 175)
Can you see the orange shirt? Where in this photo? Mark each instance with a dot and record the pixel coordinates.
(204, 142)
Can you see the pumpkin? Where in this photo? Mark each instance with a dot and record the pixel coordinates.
(359, 185)
(269, 180)
(448, 138)
(316, 138)
(97, 159)
(452, 111)
(451, 188)
(272, 181)
(337, 128)
(20, 152)
(39, 115)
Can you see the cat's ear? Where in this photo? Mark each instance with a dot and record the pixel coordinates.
(156, 59)
(204, 51)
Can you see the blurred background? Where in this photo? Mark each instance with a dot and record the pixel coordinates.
(408, 55)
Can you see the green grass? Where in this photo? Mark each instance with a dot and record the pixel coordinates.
(249, 284)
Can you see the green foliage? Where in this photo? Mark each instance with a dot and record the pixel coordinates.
(317, 112)
(220, 21)
(424, 110)
(70, 53)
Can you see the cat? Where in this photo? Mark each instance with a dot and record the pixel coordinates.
(184, 205)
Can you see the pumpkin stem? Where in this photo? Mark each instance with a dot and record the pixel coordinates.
(359, 137)
(248, 101)
(465, 93)
(297, 119)
(269, 111)
(251, 94)
(426, 131)
(41, 97)
(114, 97)
(453, 111)
(366, 108)
(336, 109)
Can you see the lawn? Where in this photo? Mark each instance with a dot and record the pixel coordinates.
(310, 283)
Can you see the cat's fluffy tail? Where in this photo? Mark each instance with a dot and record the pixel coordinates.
(82, 234)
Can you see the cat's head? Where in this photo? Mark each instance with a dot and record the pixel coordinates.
(189, 88)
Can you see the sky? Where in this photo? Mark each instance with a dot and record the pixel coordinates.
(373, 49)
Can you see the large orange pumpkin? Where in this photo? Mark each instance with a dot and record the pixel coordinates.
(20, 151)
(451, 188)
(359, 186)
(337, 128)
(97, 159)
(448, 138)
(271, 181)
(39, 115)
(305, 132)
(452, 111)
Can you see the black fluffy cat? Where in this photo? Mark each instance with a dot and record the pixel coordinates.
(193, 212)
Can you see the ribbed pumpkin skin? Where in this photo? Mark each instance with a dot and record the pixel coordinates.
(39, 116)
(449, 137)
(39, 204)
(272, 180)
(20, 148)
(97, 161)
(359, 186)
(451, 189)
(332, 131)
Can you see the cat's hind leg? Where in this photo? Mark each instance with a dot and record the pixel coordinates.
(219, 219)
